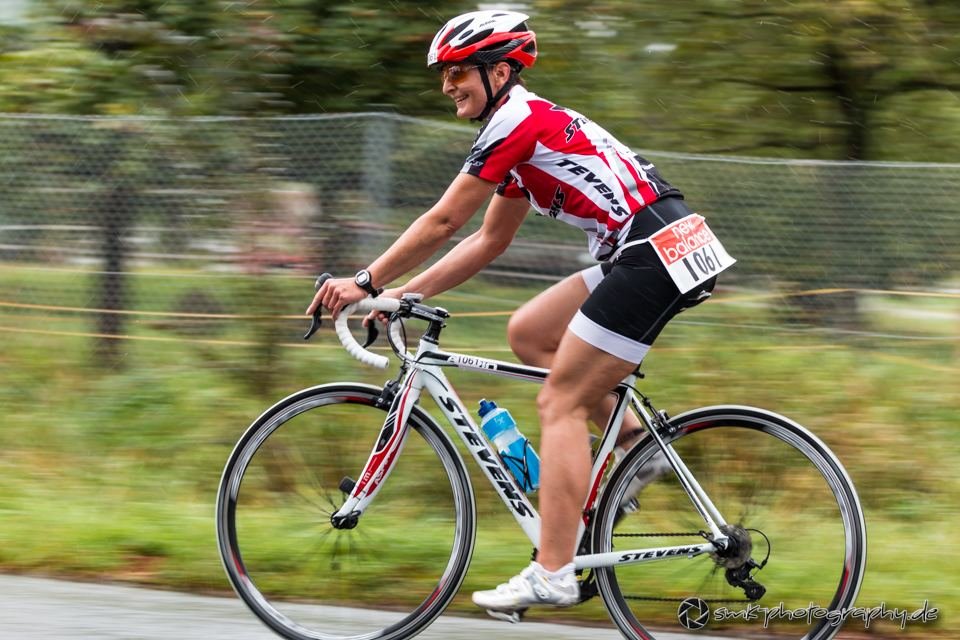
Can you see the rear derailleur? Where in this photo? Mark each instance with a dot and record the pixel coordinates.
(736, 559)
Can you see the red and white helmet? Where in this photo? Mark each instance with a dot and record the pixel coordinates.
(484, 37)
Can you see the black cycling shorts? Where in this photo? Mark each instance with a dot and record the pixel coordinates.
(633, 297)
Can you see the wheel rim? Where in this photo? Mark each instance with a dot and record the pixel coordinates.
(290, 565)
(828, 571)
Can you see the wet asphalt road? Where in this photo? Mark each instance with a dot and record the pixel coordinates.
(43, 609)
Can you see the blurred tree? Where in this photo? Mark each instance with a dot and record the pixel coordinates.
(259, 57)
(837, 79)
(845, 79)
(47, 70)
(362, 54)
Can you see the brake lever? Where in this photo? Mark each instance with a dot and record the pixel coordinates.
(315, 323)
(372, 333)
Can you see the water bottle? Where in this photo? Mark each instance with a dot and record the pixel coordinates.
(515, 450)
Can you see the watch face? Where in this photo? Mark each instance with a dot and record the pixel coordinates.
(363, 278)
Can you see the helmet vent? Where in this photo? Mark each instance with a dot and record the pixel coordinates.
(477, 37)
(453, 32)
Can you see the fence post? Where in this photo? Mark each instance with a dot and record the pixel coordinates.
(378, 145)
(112, 284)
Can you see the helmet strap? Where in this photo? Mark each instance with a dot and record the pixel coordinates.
(493, 98)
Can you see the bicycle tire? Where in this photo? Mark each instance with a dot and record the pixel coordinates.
(293, 578)
(817, 542)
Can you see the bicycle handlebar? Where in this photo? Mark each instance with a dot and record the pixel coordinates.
(351, 344)
(408, 307)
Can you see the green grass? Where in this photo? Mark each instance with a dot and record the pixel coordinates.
(111, 472)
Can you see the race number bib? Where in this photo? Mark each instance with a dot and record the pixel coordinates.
(690, 251)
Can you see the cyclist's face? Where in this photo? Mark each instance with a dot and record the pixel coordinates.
(463, 84)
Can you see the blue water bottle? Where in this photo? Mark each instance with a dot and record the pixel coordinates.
(515, 450)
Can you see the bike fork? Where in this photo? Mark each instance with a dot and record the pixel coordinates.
(389, 444)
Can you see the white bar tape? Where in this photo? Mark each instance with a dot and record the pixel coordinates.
(350, 343)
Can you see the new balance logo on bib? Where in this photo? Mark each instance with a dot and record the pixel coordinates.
(690, 251)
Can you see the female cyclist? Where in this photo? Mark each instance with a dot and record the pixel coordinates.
(591, 329)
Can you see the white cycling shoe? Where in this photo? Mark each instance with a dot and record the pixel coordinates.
(533, 587)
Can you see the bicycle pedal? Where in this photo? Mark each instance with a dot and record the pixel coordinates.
(513, 617)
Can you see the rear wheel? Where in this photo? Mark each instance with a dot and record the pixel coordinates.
(388, 577)
(789, 505)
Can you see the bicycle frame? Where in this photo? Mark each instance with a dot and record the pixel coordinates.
(426, 372)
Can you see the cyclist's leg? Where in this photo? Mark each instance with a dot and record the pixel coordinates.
(536, 328)
(582, 375)
(610, 334)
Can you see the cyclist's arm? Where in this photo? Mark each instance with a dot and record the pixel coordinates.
(421, 239)
(431, 230)
(500, 223)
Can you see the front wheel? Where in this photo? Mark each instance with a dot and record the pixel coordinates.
(788, 503)
(386, 578)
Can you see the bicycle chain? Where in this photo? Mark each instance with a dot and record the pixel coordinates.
(702, 534)
(707, 600)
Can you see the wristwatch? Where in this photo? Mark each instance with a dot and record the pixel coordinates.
(364, 280)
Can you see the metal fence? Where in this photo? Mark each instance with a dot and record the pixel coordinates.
(112, 214)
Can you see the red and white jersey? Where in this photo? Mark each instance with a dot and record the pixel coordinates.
(568, 167)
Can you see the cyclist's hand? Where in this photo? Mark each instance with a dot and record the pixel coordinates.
(335, 294)
(380, 315)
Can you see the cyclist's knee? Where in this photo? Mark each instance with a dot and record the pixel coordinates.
(517, 331)
(534, 331)
(555, 406)
(528, 339)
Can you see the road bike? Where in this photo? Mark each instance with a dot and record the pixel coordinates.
(346, 511)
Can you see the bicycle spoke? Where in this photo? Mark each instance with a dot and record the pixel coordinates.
(767, 487)
(284, 554)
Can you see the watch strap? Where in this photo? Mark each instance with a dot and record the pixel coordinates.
(364, 280)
